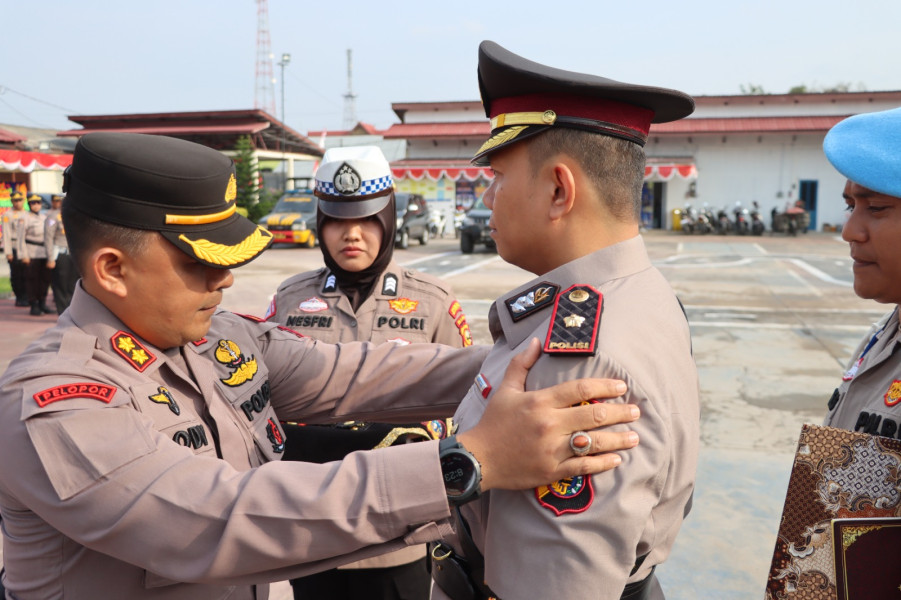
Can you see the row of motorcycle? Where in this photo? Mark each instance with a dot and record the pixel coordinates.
(741, 222)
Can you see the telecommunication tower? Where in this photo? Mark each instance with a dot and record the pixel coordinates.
(350, 110)
(264, 96)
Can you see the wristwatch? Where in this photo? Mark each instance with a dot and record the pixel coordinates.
(462, 472)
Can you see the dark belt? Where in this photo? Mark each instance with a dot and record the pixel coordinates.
(34, 243)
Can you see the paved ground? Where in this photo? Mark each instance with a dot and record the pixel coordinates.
(773, 319)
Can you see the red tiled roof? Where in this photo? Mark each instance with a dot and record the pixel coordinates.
(433, 130)
(747, 125)
(8, 137)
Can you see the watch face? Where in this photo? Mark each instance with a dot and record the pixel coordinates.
(458, 473)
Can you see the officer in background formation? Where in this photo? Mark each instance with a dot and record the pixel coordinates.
(12, 233)
(363, 295)
(34, 257)
(63, 274)
(567, 153)
(140, 441)
(866, 149)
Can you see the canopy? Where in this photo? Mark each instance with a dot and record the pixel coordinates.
(665, 172)
(26, 162)
(436, 173)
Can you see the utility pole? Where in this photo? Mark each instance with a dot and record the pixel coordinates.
(286, 59)
(350, 111)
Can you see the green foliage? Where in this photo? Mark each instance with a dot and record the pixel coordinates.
(246, 174)
(268, 198)
(752, 89)
(5, 288)
(799, 89)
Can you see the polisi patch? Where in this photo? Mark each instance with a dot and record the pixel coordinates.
(228, 353)
(164, 396)
(569, 495)
(534, 299)
(128, 347)
(893, 395)
(403, 305)
(575, 321)
(96, 391)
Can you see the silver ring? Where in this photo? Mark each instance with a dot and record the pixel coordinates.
(580, 450)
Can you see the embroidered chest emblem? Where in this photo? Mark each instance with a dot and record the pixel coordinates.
(129, 348)
(533, 300)
(164, 396)
(228, 353)
(403, 305)
(574, 324)
(893, 395)
(313, 304)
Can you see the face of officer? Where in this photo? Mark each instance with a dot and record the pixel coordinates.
(17, 203)
(873, 229)
(159, 292)
(34, 206)
(352, 243)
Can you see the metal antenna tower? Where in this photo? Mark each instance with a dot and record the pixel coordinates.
(350, 110)
(264, 96)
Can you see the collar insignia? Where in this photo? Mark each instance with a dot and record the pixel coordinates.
(230, 355)
(533, 300)
(164, 396)
(128, 347)
(389, 285)
(403, 305)
(331, 283)
(575, 321)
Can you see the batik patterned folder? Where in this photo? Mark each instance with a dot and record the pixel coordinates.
(837, 474)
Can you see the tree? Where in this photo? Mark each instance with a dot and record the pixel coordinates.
(246, 174)
(752, 89)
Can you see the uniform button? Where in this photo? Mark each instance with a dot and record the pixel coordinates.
(353, 323)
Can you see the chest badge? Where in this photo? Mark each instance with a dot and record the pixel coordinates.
(230, 355)
(403, 305)
(533, 300)
(893, 395)
(313, 304)
(129, 348)
(164, 396)
(574, 324)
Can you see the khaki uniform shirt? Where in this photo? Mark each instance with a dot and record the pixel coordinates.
(869, 397)
(55, 242)
(31, 243)
(130, 472)
(580, 538)
(408, 306)
(12, 230)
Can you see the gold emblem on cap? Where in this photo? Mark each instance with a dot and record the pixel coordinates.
(220, 254)
(549, 117)
(504, 136)
(579, 296)
(231, 192)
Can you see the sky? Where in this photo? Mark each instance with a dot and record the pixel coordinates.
(93, 57)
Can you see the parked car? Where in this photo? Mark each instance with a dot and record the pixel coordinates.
(412, 219)
(474, 229)
(293, 218)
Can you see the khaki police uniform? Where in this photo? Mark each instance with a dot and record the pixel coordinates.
(13, 227)
(581, 538)
(406, 307)
(100, 433)
(37, 276)
(869, 397)
(64, 275)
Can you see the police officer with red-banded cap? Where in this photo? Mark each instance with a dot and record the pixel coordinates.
(566, 151)
(140, 442)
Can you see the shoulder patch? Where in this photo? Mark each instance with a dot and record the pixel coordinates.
(97, 391)
(456, 312)
(128, 347)
(569, 495)
(575, 322)
(534, 299)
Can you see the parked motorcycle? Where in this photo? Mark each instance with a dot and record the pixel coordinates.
(757, 226)
(742, 219)
(723, 222)
(706, 220)
(687, 220)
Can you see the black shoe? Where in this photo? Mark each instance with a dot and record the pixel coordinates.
(47, 310)
(21, 302)
(36, 309)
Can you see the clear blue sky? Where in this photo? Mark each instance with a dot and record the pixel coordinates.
(123, 56)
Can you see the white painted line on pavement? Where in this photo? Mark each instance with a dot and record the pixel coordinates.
(471, 267)
(817, 273)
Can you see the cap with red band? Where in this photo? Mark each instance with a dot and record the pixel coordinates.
(523, 98)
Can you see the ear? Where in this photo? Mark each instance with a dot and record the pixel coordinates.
(106, 269)
(564, 191)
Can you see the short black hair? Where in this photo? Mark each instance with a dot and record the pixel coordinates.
(84, 234)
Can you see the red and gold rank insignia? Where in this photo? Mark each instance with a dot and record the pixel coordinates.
(575, 321)
(531, 300)
(230, 355)
(403, 305)
(164, 396)
(893, 395)
(456, 311)
(128, 347)
(569, 495)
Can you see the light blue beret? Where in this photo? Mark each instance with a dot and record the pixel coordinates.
(866, 149)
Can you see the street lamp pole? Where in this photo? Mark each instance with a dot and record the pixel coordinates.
(286, 59)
